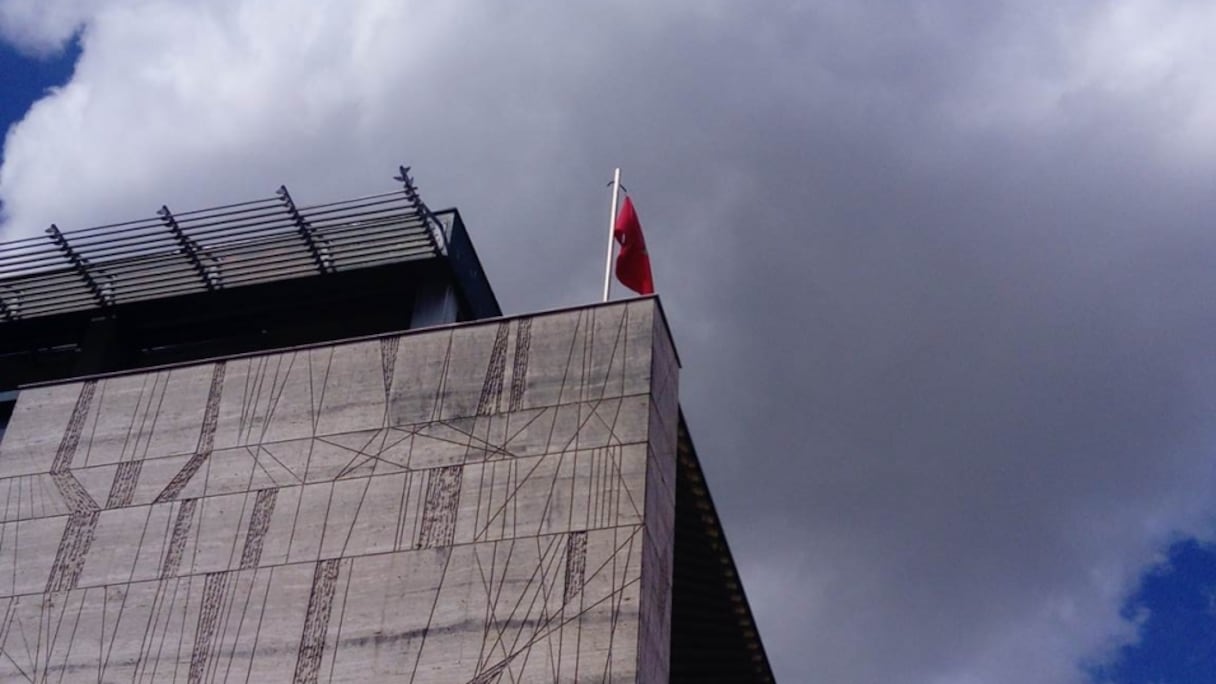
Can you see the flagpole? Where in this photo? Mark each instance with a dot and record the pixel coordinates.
(616, 186)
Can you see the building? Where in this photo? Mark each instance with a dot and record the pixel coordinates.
(264, 442)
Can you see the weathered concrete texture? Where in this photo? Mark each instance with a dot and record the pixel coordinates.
(485, 503)
(654, 644)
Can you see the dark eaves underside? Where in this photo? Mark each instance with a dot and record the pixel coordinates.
(714, 637)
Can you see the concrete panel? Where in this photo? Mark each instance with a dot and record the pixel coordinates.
(484, 503)
(38, 426)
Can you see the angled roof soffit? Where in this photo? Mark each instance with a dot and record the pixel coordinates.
(714, 632)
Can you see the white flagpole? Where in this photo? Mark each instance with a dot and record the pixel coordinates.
(616, 186)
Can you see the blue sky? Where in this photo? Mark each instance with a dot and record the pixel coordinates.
(23, 79)
(940, 272)
(1177, 602)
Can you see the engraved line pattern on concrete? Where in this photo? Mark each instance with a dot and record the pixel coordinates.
(74, 494)
(438, 525)
(71, 437)
(516, 467)
(519, 369)
(177, 541)
(316, 621)
(388, 361)
(514, 624)
(206, 439)
(76, 539)
(137, 441)
(182, 478)
(126, 476)
(208, 623)
(69, 558)
(492, 675)
(491, 389)
(505, 510)
(522, 612)
(259, 522)
(547, 626)
(576, 565)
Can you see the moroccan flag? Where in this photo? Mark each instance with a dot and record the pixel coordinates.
(632, 262)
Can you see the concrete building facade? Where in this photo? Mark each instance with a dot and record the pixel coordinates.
(480, 503)
(270, 443)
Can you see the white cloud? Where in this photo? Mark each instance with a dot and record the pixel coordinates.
(41, 27)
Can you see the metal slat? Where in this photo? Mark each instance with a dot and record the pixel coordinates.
(232, 245)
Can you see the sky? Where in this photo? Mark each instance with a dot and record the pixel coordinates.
(26, 78)
(939, 271)
(1176, 606)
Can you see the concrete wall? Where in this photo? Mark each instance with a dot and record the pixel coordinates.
(486, 503)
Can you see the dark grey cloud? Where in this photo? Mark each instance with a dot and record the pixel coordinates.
(938, 271)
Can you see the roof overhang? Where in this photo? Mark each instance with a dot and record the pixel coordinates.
(714, 636)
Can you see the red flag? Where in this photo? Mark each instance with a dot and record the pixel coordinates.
(632, 263)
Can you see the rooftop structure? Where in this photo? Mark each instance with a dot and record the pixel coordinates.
(254, 275)
(268, 443)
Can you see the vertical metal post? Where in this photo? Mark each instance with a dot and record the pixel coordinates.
(616, 187)
(79, 264)
(320, 255)
(428, 219)
(187, 246)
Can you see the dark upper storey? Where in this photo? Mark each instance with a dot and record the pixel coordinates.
(239, 278)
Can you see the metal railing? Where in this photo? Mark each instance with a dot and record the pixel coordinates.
(211, 249)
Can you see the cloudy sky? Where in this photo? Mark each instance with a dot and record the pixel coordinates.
(940, 271)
